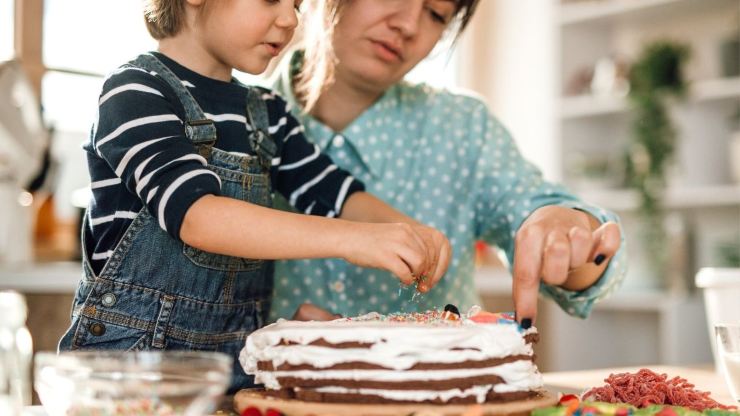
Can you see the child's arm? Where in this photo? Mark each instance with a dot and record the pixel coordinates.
(251, 231)
(362, 206)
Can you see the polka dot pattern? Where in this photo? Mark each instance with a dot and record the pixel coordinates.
(443, 159)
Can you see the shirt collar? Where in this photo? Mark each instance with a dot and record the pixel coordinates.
(386, 108)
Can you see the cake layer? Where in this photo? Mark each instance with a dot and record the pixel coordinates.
(358, 365)
(515, 376)
(482, 394)
(444, 384)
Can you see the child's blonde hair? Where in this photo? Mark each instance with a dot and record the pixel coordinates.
(164, 18)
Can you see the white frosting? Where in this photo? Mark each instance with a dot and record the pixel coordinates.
(396, 345)
(518, 375)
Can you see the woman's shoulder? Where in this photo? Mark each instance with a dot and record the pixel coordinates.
(445, 98)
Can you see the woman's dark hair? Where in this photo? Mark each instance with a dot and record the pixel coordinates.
(320, 18)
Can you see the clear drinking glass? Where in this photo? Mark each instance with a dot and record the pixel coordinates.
(728, 349)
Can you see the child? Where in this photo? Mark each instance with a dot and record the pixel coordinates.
(183, 161)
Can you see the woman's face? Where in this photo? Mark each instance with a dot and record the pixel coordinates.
(377, 42)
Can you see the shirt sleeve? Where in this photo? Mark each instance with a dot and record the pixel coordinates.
(306, 177)
(509, 189)
(140, 135)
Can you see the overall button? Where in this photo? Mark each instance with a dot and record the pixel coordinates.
(97, 329)
(338, 287)
(108, 299)
(338, 140)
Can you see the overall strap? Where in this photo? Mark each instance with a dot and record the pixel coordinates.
(200, 130)
(262, 144)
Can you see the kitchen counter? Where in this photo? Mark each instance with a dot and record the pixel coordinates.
(52, 277)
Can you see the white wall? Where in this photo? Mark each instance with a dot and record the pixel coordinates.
(508, 56)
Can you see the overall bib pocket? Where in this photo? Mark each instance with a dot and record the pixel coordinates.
(242, 178)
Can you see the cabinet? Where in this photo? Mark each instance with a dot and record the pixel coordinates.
(653, 319)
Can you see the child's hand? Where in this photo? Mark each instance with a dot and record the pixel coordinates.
(562, 247)
(399, 248)
(439, 250)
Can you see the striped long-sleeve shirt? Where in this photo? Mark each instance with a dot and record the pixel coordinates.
(138, 154)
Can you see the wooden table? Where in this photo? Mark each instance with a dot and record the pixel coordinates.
(704, 378)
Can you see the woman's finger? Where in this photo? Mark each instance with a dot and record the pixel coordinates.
(555, 258)
(527, 263)
(606, 241)
(581, 244)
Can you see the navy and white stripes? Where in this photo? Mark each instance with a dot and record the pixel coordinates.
(139, 156)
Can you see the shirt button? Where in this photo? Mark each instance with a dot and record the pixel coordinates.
(338, 140)
(108, 299)
(97, 329)
(338, 287)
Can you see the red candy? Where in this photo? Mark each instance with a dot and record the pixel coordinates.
(272, 412)
(666, 411)
(251, 411)
(570, 402)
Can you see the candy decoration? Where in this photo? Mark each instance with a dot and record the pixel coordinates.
(251, 411)
(449, 316)
(571, 403)
(272, 412)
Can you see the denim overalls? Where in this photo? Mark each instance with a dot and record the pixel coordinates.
(157, 293)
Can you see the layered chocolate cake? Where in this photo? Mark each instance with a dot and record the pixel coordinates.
(433, 357)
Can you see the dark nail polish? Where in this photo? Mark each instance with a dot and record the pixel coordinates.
(452, 308)
(599, 259)
(526, 323)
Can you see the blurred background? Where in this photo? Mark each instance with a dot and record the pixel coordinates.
(634, 104)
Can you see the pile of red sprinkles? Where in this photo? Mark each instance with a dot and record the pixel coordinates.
(646, 388)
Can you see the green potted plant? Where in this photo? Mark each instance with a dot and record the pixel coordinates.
(656, 78)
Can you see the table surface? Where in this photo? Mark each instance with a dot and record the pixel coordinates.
(703, 377)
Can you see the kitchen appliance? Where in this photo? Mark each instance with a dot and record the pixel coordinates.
(23, 142)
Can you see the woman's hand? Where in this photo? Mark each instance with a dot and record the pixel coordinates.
(408, 251)
(562, 247)
(311, 312)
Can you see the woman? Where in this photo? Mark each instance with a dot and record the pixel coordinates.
(439, 157)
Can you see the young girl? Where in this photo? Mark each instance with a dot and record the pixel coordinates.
(442, 158)
(184, 160)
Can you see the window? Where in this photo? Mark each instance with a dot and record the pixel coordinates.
(92, 35)
(6, 30)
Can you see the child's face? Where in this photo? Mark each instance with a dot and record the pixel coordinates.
(247, 34)
(377, 42)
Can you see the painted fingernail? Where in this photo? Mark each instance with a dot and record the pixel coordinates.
(526, 323)
(452, 308)
(599, 259)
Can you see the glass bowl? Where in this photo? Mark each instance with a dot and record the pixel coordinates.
(113, 383)
(728, 348)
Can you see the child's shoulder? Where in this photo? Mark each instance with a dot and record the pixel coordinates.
(131, 74)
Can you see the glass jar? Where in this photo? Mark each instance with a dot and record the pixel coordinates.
(16, 351)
